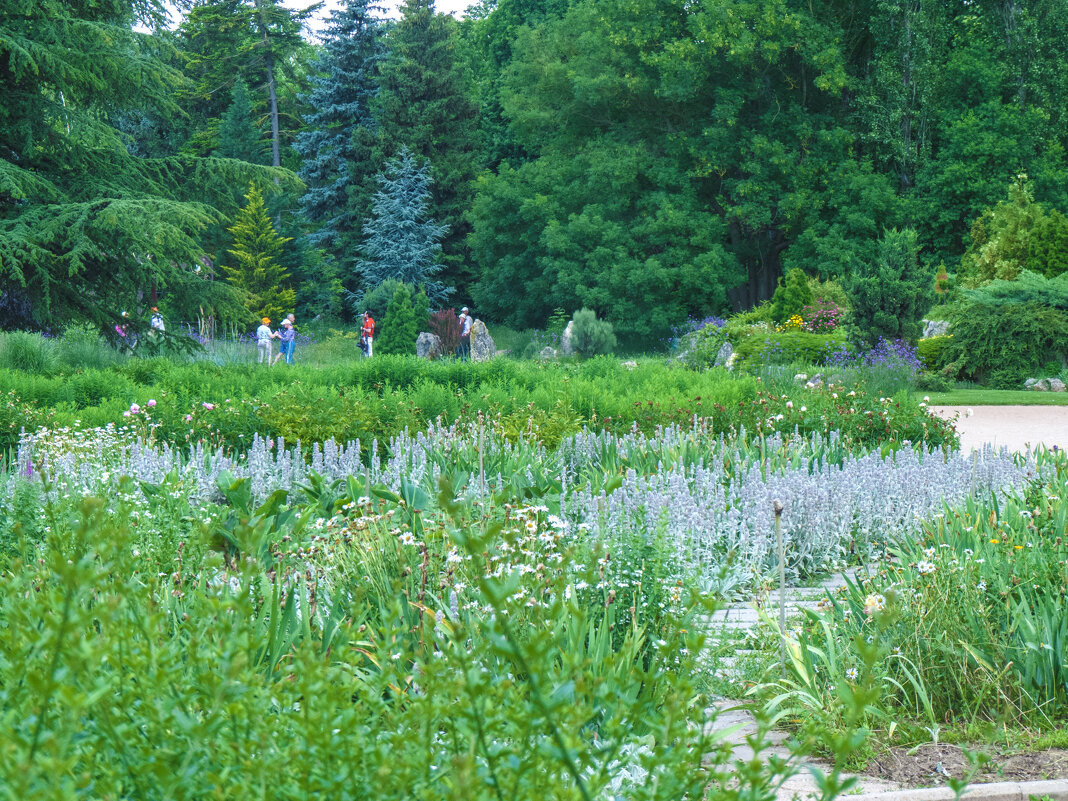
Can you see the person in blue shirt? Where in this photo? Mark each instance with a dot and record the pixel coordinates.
(288, 335)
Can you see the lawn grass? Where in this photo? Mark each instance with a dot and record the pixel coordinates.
(997, 397)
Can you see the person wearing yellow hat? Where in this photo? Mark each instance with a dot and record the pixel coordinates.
(264, 335)
(156, 323)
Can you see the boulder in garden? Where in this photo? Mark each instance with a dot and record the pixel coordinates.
(567, 346)
(482, 347)
(723, 358)
(428, 345)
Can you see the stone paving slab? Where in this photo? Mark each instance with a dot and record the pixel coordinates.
(800, 786)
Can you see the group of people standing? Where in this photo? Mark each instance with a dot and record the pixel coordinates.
(287, 334)
(156, 328)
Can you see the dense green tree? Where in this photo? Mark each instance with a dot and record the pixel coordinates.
(86, 229)
(890, 295)
(423, 104)
(256, 272)
(401, 241)
(239, 136)
(667, 173)
(339, 178)
(258, 41)
(1016, 235)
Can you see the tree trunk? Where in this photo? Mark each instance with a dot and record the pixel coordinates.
(268, 57)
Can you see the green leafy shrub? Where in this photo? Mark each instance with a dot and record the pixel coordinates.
(790, 347)
(890, 295)
(22, 350)
(590, 336)
(1004, 345)
(830, 291)
(791, 296)
(932, 352)
(933, 382)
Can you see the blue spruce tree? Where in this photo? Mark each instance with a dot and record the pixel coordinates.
(334, 164)
(400, 240)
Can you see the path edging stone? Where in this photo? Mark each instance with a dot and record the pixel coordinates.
(999, 791)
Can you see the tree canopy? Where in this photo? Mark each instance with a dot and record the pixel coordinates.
(648, 160)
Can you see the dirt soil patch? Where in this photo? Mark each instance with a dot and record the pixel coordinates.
(920, 767)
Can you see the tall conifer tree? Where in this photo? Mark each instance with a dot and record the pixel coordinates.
(86, 228)
(239, 136)
(338, 173)
(400, 240)
(423, 104)
(257, 273)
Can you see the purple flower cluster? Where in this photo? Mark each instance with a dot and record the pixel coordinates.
(889, 353)
(691, 325)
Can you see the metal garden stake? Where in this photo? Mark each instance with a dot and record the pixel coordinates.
(777, 506)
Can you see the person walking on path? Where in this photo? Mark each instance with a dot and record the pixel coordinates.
(367, 334)
(156, 323)
(288, 336)
(264, 335)
(464, 351)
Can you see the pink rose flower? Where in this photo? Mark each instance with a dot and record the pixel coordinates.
(208, 406)
(189, 418)
(151, 403)
(134, 408)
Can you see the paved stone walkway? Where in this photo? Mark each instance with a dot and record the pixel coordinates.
(732, 624)
(1014, 427)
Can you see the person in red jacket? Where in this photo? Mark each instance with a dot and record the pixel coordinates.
(367, 333)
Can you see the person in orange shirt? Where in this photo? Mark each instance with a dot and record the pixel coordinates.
(368, 334)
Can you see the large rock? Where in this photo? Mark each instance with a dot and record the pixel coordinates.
(566, 339)
(482, 347)
(723, 358)
(428, 345)
(547, 352)
(935, 328)
(1056, 385)
(1042, 385)
(1030, 383)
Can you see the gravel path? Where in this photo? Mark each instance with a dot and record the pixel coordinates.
(1014, 427)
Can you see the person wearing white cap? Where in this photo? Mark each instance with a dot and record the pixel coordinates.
(464, 351)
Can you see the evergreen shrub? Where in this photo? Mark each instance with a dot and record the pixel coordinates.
(932, 352)
(890, 294)
(590, 336)
(399, 327)
(1004, 345)
(791, 296)
(699, 348)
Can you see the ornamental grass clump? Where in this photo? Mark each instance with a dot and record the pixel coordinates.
(970, 610)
